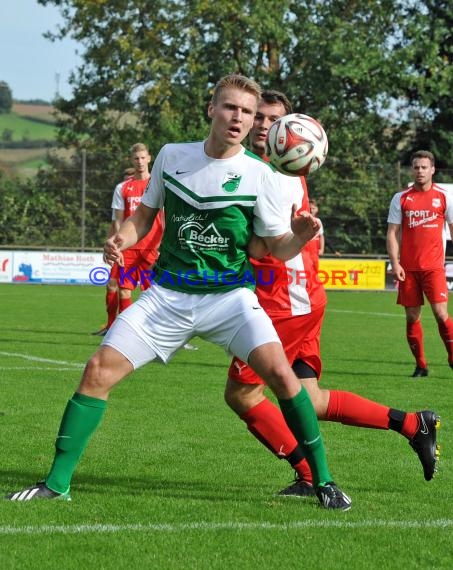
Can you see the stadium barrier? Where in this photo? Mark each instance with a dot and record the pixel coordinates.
(82, 268)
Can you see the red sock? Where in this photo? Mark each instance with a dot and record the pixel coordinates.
(266, 422)
(410, 425)
(111, 302)
(303, 470)
(414, 335)
(353, 410)
(125, 303)
(446, 333)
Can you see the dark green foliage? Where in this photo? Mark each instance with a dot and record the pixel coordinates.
(377, 75)
(6, 98)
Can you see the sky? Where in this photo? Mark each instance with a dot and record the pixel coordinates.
(32, 66)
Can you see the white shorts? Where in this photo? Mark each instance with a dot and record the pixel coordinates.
(162, 320)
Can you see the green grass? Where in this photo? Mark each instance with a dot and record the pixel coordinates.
(173, 480)
(26, 129)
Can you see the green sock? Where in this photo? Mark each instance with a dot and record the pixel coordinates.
(80, 419)
(301, 418)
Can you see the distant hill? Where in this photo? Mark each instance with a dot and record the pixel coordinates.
(35, 111)
(26, 134)
(27, 123)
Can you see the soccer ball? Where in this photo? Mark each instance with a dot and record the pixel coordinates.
(296, 145)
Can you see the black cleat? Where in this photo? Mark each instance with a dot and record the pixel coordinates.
(420, 372)
(299, 488)
(100, 332)
(331, 497)
(38, 491)
(424, 442)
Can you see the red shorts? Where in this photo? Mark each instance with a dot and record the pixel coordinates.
(432, 283)
(137, 269)
(300, 338)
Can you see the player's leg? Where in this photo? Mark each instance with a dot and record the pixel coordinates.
(125, 299)
(436, 291)
(419, 428)
(82, 416)
(269, 361)
(122, 351)
(239, 324)
(129, 278)
(111, 301)
(410, 295)
(265, 422)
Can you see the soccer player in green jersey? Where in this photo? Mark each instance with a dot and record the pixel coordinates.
(215, 194)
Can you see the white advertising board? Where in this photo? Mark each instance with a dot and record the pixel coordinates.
(6, 266)
(56, 267)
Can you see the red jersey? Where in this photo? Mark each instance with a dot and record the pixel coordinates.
(288, 288)
(422, 216)
(313, 246)
(127, 197)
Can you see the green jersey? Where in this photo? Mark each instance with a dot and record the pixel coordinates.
(211, 207)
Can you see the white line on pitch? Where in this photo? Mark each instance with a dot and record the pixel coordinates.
(58, 369)
(373, 314)
(39, 359)
(209, 527)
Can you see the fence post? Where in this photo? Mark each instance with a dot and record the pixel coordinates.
(84, 176)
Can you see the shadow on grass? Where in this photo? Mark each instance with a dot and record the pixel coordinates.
(13, 481)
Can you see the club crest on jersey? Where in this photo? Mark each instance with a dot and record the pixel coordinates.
(436, 202)
(231, 182)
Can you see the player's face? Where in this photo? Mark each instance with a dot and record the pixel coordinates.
(423, 172)
(265, 116)
(141, 161)
(232, 116)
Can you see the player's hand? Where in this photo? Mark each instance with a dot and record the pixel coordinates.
(399, 272)
(112, 251)
(304, 225)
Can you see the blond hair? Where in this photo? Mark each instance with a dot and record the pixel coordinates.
(237, 81)
(138, 147)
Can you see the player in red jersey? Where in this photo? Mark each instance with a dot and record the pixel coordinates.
(316, 245)
(111, 293)
(141, 257)
(416, 247)
(295, 300)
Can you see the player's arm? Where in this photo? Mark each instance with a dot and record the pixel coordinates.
(117, 220)
(303, 228)
(393, 249)
(450, 227)
(131, 231)
(322, 244)
(257, 247)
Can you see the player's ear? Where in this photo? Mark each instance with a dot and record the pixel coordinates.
(210, 109)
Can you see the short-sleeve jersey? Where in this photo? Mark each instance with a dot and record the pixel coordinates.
(126, 197)
(422, 216)
(289, 288)
(211, 207)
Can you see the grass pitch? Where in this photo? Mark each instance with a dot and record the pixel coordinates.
(172, 479)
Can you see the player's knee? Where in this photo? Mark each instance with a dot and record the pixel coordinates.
(279, 373)
(242, 397)
(99, 377)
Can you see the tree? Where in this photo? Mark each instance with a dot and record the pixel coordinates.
(147, 75)
(427, 89)
(6, 98)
